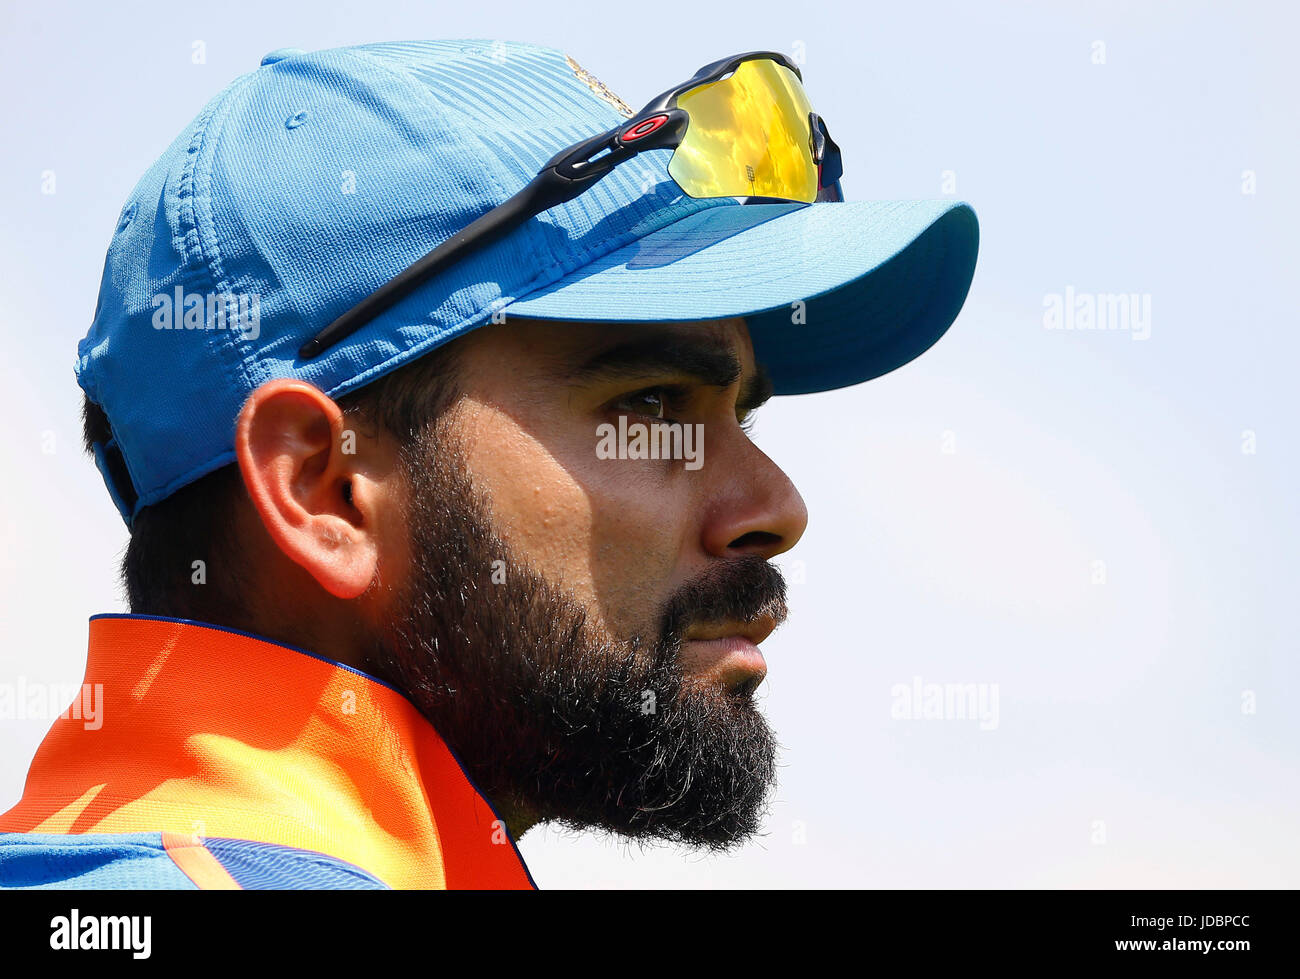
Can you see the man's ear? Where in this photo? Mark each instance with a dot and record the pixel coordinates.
(309, 493)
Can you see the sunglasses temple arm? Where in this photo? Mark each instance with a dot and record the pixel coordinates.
(544, 191)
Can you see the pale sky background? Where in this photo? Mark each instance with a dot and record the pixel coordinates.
(1122, 756)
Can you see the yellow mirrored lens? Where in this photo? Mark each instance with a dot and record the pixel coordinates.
(748, 136)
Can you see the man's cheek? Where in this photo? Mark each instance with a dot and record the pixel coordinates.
(615, 557)
(609, 532)
(635, 557)
(547, 524)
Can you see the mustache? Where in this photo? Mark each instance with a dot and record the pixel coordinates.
(740, 590)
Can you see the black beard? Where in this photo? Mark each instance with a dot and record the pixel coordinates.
(553, 722)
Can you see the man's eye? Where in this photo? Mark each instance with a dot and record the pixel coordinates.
(652, 403)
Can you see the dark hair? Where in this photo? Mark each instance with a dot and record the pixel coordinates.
(197, 522)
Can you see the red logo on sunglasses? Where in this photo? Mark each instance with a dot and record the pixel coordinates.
(644, 128)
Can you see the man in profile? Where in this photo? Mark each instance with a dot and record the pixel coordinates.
(498, 553)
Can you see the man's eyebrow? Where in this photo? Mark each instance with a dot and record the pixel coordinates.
(707, 363)
(714, 365)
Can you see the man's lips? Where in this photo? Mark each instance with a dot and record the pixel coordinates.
(728, 651)
(755, 630)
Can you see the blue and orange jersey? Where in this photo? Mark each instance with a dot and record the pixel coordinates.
(218, 759)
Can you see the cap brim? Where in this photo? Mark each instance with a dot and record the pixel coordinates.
(833, 293)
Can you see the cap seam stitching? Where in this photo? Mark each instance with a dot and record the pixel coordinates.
(406, 80)
(503, 193)
(205, 224)
(190, 198)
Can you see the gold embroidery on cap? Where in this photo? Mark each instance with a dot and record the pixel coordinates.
(597, 86)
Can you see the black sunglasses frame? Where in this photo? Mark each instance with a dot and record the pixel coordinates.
(659, 125)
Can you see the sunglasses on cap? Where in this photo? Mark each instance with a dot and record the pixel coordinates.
(741, 127)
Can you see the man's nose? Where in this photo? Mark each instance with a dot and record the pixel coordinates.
(754, 508)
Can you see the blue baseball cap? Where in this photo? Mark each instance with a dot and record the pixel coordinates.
(312, 180)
